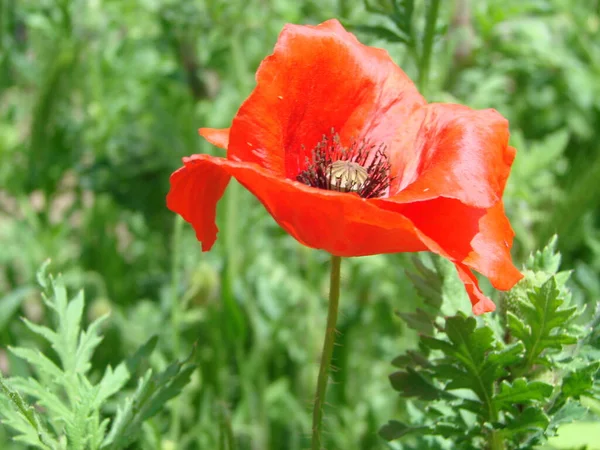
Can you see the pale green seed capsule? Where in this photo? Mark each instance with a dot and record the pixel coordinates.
(346, 176)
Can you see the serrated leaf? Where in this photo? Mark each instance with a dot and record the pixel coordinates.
(42, 275)
(31, 429)
(413, 358)
(437, 344)
(427, 282)
(570, 412)
(45, 397)
(167, 391)
(543, 324)
(545, 260)
(395, 430)
(141, 354)
(469, 346)
(381, 32)
(411, 383)
(507, 356)
(152, 393)
(70, 400)
(449, 431)
(41, 330)
(88, 341)
(580, 382)
(69, 325)
(531, 419)
(123, 430)
(419, 321)
(112, 382)
(470, 343)
(43, 365)
(518, 328)
(521, 392)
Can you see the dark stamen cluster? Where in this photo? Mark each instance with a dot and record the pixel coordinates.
(366, 172)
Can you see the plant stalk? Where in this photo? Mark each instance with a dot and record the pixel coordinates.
(429, 35)
(332, 313)
(496, 441)
(176, 314)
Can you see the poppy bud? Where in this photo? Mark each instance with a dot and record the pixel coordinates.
(204, 285)
(33, 309)
(100, 307)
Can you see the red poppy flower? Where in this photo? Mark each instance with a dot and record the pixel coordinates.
(346, 155)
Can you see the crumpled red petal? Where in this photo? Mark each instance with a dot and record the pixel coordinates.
(491, 249)
(342, 224)
(473, 237)
(452, 151)
(319, 78)
(194, 195)
(481, 304)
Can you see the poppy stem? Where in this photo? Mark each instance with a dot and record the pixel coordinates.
(496, 441)
(332, 313)
(433, 7)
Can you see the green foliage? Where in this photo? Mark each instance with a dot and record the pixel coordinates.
(519, 378)
(74, 404)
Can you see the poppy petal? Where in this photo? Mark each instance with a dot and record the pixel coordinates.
(319, 79)
(479, 238)
(195, 190)
(474, 237)
(481, 304)
(342, 224)
(452, 151)
(218, 137)
(448, 222)
(491, 249)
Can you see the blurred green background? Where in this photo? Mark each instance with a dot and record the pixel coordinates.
(100, 99)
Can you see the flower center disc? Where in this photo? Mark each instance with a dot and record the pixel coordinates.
(347, 176)
(360, 168)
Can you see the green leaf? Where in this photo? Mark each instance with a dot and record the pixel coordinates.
(419, 320)
(468, 347)
(43, 365)
(42, 275)
(571, 411)
(505, 357)
(70, 400)
(580, 382)
(411, 383)
(546, 260)
(112, 382)
(141, 354)
(521, 392)
(531, 419)
(87, 343)
(46, 397)
(152, 393)
(381, 32)
(395, 430)
(69, 316)
(41, 330)
(543, 322)
(31, 429)
(428, 282)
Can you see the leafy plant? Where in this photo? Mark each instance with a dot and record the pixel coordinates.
(505, 383)
(69, 401)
